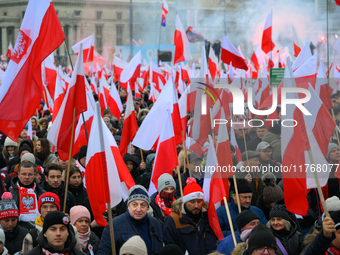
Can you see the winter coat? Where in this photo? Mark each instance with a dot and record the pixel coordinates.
(291, 240)
(79, 193)
(124, 228)
(15, 192)
(14, 239)
(223, 219)
(71, 201)
(69, 245)
(157, 211)
(273, 167)
(275, 141)
(226, 245)
(252, 144)
(184, 177)
(239, 249)
(94, 241)
(261, 205)
(179, 229)
(319, 244)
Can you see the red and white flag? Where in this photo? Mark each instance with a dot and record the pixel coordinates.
(130, 125)
(212, 62)
(114, 103)
(106, 172)
(118, 67)
(88, 48)
(93, 85)
(165, 10)
(29, 130)
(104, 92)
(304, 55)
(58, 97)
(39, 35)
(321, 86)
(50, 74)
(131, 72)
(258, 58)
(270, 60)
(182, 51)
(166, 154)
(297, 43)
(234, 143)
(74, 103)
(267, 42)
(230, 54)
(9, 50)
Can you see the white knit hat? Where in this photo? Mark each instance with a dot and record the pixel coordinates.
(10, 142)
(134, 246)
(333, 204)
(28, 157)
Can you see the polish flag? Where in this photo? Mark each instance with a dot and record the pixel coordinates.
(182, 105)
(166, 154)
(58, 97)
(165, 10)
(156, 74)
(9, 50)
(278, 63)
(131, 72)
(182, 51)
(154, 93)
(99, 71)
(230, 54)
(60, 132)
(144, 79)
(29, 130)
(258, 58)
(137, 92)
(264, 91)
(88, 48)
(231, 73)
(39, 35)
(114, 102)
(212, 62)
(104, 92)
(321, 86)
(267, 42)
(108, 180)
(234, 143)
(130, 125)
(270, 60)
(304, 55)
(118, 67)
(50, 74)
(240, 51)
(297, 43)
(185, 75)
(93, 85)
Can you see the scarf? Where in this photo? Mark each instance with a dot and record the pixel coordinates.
(28, 206)
(333, 250)
(46, 252)
(159, 201)
(84, 238)
(39, 221)
(167, 197)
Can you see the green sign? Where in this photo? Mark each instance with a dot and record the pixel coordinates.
(276, 76)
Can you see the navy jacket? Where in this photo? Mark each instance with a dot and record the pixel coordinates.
(319, 245)
(124, 228)
(223, 218)
(226, 245)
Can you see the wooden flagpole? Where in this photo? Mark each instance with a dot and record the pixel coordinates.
(141, 154)
(112, 235)
(236, 194)
(229, 219)
(185, 155)
(69, 159)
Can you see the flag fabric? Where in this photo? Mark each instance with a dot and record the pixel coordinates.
(337, 2)
(29, 130)
(58, 97)
(194, 35)
(88, 48)
(60, 132)
(104, 92)
(212, 62)
(321, 86)
(231, 54)
(304, 55)
(258, 58)
(166, 154)
(165, 10)
(93, 85)
(118, 67)
(267, 42)
(50, 74)
(131, 72)
(182, 51)
(9, 50)
(39, 35)
(115, 104)
(130, 125)
(106, 172)
(270, 61)
(297, 43)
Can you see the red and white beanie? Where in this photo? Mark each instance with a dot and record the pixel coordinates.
(192, 191)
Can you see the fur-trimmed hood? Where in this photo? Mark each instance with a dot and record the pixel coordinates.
(177, 206)
(239, 249)
(308, 240)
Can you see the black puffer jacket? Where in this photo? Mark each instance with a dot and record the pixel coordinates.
(94, 241)
(14, 239)
(79, 193)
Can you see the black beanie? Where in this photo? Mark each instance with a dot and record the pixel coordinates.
(260, 237)
(170, 249)
(275, 129)
(243, 186)
(24, 148)
(335, 215)
(82, 152)
(53, 218)
(245, 217)
(279, 210)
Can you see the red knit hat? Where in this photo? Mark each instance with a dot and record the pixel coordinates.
(49, 197)
(192, 190)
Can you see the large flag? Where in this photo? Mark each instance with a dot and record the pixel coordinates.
(74, 104)
(321, 86)
(231, 54)
(131, 72)
(297, 43)
(88, 48)
(39, 35)
(182, 51)
(130, 125)
(165, 10)
(267, 42)
(107, 178)
(166, 155)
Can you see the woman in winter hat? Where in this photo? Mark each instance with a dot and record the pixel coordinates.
(9, 151)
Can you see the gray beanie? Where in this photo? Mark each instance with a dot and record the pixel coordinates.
(28, 157)
(134, 246)
(331, 146)
(164, 181)
(10, 142)
(138, 192)
(2, 237)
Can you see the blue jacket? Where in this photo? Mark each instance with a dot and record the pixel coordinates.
(226, 245)
(223, 218)
(124, 228)
(320, 245)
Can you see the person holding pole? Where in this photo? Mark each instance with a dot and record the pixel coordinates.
(245, 196)
(134, 222)
(188, 225)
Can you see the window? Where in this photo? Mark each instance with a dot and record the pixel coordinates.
(5, 13)
(119, 15)
(99, 38)
(23, 14)
(119, 31)
(119, 41)
(99, 15)
(99, 31)
(77, 13)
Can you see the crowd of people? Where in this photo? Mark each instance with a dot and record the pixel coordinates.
(36, 219)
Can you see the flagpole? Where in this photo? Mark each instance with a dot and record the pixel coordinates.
(318, 183)
(180, 181)
(69, 160)
(229, 219)
(113, 244)
(82, 114)
(185, 154)
(236, 194)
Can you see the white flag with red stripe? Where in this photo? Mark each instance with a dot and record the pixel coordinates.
(212, 62)
(297, 43)
(304, 55)
(118, 67)
(230, 54)
(93, 85)
(9, 50)
(114, 103)
(104, 92)
(58, 97)
(39, 35)
(29, 130)
(107, 177)
(50, 74)
(182, 51)
(131, 72)
(267, 42)
(88, 48)
(321, 86)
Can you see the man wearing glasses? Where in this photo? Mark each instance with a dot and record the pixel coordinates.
(266, 163)
(26, 192)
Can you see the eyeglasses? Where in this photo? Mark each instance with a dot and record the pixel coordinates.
(267, 151)
(261, 250)
(29, 175)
